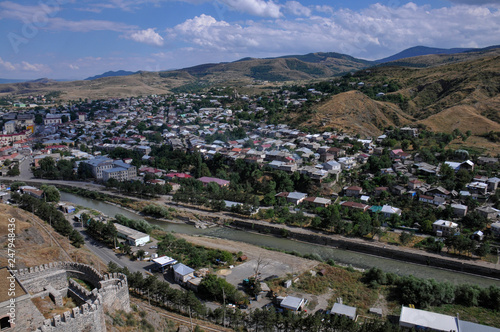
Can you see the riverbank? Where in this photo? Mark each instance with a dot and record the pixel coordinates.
(405, 254)
(443, 261)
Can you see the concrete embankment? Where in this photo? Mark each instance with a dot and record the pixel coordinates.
(375, 248)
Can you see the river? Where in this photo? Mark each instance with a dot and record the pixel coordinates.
(338, 255)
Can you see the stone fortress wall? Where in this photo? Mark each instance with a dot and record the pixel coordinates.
(110, 293)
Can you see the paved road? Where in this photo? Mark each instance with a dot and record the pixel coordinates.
(25, 169)
(108, 255)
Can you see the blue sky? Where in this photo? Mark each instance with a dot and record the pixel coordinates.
(70, 39)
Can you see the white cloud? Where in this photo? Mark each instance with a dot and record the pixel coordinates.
(324, 9)
(371, 33)
(45, 16)
(74, 67)
(255, 7)
(89, 25)
(476, 2)
(33, 67)
(148, 36)
(297, 9)
(7, 65)
(24, 66)
(33, 14)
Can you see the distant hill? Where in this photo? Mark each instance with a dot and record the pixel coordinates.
(42, 80)
(432, 60)
(284, 68)
(326, 57)
(422, 50)
(355, 112)
(111, 74)
(9, 80)
(463, 95)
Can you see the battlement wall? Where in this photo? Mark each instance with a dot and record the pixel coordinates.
(110, 293)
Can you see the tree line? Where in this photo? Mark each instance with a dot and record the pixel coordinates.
(49, 213)
(424, 293)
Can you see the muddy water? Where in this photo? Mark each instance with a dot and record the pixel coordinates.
(338, 255)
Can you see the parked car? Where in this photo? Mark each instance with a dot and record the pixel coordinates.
(243, 306)
(153, 247)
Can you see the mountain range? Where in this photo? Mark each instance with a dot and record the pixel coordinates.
(312, 65)
(111, 74)
(440, 89)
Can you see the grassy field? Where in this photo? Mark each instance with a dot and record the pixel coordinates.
(341, 282)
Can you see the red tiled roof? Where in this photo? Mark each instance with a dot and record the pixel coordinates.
(354, 188)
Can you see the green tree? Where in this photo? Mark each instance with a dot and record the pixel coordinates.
(215, 288)
(426, 226)
(140, 254)
(217, 204)
(405, 237)
(14, 171)
(483, 249)
(16, 185)
(76, 238)
(141, 127)
(38, 119)
(51, 193)
(47, 164)
(405, 144)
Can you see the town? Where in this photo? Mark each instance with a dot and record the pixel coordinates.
(222, 151)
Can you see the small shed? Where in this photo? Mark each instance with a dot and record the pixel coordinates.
(68, 208)
(344, 310)
(292, 303)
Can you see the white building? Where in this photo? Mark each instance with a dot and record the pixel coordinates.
(444, 227)
(388, 211)
(344, 310)
(292, 303)
(133, 237)
(431, 321)
(164, 261)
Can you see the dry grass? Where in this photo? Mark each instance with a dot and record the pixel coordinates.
(356, 113)
(33, 244)
(393, 238)
(462, 117)
(478, 144)
(49, 309)
(337, 281)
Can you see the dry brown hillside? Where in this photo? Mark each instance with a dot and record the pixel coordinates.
(354, 112)
(463, 95)
(243, 72)
(462, 117)
(33, 245)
